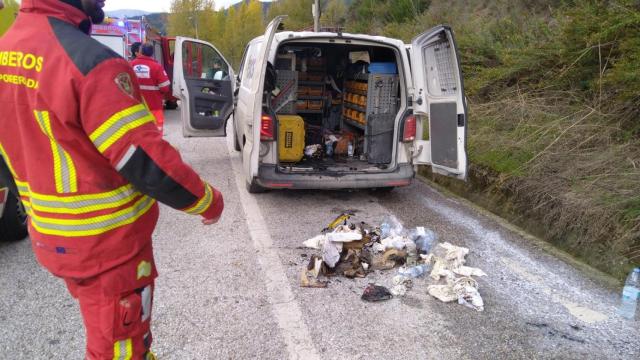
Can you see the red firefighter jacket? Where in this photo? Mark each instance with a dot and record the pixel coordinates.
(87, 158)
(153, 80)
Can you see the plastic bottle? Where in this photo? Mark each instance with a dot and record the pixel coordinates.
(415, 271)
(391, 226)
(350, 149)
(423, 238)
(329, 147)
(630, 295)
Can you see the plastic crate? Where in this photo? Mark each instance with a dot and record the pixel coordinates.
(315, 105)
(314, 91)
(383, 68)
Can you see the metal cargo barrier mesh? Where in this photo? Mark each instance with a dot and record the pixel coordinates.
(444, 63)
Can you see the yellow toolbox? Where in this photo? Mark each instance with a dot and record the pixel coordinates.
(290, 138)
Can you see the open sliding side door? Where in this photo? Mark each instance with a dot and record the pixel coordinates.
(439, 98)
(204, 81)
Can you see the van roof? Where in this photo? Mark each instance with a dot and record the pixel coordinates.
(290, 35)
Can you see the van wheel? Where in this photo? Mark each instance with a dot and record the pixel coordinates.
(254, 188)
(171, 105)
(236, 143)
(383, 190)
(13, 223)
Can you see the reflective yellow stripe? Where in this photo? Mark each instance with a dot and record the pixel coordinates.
(119, 124)
(81, 204)
(7, 161)
(93, 225)
(204, 203)
(123, 350)
(63, 168)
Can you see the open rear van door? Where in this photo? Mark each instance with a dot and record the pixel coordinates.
(204, 81)
(439, 99)
(250, 96)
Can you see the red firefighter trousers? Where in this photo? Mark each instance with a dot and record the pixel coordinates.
(116, 308)
(159, 115)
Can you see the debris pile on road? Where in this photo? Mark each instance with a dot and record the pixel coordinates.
(354, 250)
(449, 262)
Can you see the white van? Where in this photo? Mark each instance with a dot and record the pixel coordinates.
(371, 108)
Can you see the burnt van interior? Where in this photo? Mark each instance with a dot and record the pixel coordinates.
(336, 107)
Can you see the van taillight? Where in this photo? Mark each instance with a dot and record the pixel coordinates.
(267, 128)
(409, 133)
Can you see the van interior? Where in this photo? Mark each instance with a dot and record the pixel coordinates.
(336, 106)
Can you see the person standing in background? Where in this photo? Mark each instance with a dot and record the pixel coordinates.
(135, 50)
(153, 80)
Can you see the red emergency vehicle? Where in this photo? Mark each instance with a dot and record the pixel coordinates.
(120, 34)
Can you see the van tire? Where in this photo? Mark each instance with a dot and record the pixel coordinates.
(171, 104)
(13, 223)
(383, 190)
(254, 188)
(236, 143)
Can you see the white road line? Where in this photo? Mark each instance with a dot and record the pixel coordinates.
(283, 303)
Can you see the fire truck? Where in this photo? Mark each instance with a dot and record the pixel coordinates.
(120, 34)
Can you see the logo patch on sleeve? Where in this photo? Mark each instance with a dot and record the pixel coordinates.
(123, 80)
(144, 269)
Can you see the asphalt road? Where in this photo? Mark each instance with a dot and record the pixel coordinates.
(231, 291)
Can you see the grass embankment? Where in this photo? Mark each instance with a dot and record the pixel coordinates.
(554, 130)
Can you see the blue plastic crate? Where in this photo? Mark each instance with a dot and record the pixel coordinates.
(383, 68)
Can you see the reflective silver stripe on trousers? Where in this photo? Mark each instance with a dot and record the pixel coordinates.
(124, 354)
(149, 87)
(118, 125)
(84, 203)
(134, 211)
(23, 189)
(62, 155)
(146, 302)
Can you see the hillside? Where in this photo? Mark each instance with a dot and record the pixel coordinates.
(553, 127)
(266, 5)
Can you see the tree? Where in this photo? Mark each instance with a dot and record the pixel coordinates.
(298, 11)
(334, 14)
(215, 31)
(252, 23)
(8, 15)
(187, 16)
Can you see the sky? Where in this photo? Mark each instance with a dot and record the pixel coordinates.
(152, 5)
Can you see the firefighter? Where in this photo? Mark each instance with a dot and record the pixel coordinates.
(135, 50)
(89, 165)
(153, 80)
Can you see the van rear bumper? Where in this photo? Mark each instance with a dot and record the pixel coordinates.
(269, 178)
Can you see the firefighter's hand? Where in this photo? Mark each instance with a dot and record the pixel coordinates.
(210, 221)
